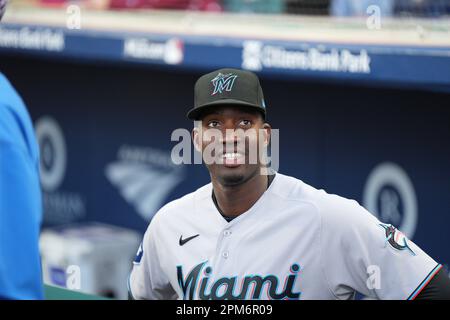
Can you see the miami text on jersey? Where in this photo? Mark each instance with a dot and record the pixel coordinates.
(224, 288)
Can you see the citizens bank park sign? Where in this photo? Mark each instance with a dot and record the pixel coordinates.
(298, 59)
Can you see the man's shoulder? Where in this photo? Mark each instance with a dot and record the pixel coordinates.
(10, 99)
(291, 188)
(327, 204)
(16, 128)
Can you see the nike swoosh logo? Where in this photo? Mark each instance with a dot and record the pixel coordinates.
(183, 241)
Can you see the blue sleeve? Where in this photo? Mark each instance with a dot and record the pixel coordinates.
(20, 208)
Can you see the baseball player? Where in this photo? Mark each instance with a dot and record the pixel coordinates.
(248, 235)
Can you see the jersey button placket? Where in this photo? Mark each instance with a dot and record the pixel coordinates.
(226, 239)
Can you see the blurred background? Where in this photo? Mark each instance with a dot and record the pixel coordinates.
(360, 91)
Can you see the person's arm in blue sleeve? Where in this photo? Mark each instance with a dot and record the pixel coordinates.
(20, 201)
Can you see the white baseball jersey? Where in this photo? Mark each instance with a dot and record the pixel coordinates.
(295, 242)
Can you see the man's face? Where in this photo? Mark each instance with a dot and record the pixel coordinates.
(231, 140)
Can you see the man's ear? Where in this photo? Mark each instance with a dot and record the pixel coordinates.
(267, 133)
(197, 138)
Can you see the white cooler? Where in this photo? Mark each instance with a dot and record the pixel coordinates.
(92, 258)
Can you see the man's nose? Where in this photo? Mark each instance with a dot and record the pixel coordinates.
(230, 135)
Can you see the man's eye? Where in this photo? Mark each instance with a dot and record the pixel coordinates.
(213, 124)
(245, 123)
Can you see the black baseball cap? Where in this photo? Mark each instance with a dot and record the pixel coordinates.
(227, 87)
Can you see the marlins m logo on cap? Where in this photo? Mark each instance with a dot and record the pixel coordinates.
(223, 82)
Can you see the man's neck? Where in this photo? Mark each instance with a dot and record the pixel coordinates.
(235, 200)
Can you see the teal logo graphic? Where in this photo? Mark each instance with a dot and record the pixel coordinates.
(396, 238)
(198, 282)
(223, 82)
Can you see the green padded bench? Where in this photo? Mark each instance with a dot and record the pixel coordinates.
(57, 293)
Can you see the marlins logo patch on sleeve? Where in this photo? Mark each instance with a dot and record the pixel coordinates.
(396, 238)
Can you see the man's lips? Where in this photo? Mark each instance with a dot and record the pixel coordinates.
(233, 159)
